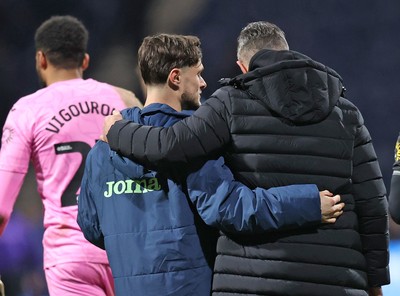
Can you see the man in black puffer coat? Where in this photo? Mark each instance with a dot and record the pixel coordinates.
(284, 121)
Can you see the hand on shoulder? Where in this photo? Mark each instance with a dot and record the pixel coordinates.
(108, 122)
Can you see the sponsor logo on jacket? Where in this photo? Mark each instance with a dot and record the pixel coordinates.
(131, 186)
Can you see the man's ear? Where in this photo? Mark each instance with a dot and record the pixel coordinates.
(41, 60)
(174, 78)
(242, 67)
(85, 62)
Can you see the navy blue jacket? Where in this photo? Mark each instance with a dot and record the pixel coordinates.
(155, 241)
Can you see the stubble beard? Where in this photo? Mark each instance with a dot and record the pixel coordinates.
(189, 102)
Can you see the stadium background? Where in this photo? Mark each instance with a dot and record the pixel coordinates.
(359, 39)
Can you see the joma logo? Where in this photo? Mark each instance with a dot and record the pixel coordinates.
(131, 186)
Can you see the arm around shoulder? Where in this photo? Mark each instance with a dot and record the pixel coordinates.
(231, 206)
(195, 137)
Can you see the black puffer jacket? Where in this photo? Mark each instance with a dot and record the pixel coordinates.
(282, 123)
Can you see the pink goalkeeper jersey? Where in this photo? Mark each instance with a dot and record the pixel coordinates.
(55, 128)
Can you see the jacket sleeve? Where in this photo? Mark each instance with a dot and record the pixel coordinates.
(394, 197)
(205, 132)
(231, 206)
(371, 207)
(87, 217)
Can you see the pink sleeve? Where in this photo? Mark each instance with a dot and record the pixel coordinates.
(10, 185)
(16, 140)
(14, 158)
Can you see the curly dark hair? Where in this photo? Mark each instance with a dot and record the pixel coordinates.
(161, 53)
(63, 40)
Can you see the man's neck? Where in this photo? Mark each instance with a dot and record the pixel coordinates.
(162, 95)
(57, 75)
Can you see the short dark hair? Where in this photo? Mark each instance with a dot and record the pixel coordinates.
(159, 54)
(260, 35)
(63, 39)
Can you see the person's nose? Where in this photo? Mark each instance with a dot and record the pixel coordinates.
(203, 83)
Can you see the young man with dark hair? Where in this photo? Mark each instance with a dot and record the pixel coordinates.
(153, 235)
(55, 128)
(283, 121)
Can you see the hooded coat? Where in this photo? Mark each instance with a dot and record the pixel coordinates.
(156, 242)
(286, 121)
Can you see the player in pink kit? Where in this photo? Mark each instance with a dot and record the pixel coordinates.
(55, 128)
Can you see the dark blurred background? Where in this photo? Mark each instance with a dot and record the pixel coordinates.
(359, 39)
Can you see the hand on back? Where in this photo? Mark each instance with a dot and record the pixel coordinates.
(331, 207)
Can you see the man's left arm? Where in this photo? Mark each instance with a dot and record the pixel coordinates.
(230, 206)
(15, 153)
(11, 183)
(372, 209)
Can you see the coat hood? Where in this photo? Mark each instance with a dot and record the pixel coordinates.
(291, 85)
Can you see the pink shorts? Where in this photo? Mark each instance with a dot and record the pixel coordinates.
(80, 279)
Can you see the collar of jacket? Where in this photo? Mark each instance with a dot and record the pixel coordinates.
(136, 114)
(166, 109)
(291, 84)
(268, 61)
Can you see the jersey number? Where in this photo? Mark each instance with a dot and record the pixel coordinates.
(69, 198)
